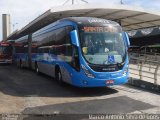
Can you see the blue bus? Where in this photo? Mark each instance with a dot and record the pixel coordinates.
(81, 51)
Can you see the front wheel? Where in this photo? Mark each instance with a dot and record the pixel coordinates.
(59, 76)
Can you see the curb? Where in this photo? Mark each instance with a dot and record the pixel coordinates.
(143, 84)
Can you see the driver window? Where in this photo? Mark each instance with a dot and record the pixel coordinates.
(88, 46)
(71, 53)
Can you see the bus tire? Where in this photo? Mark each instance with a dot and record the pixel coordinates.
(58, 76)
(37, 69)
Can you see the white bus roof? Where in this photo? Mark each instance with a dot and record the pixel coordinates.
(129, 17)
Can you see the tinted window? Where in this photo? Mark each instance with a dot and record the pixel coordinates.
(19, 49)
(6, 49)
(68, 45)
(58, 42)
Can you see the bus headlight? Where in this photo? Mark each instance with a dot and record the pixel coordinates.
(87, 72)
(125, 71)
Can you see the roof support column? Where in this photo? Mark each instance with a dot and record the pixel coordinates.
(30, 51)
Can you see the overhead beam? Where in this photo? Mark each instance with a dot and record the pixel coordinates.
(131, 16)
(88, 13)
(118, 11)
(142, 22)
(129, 23)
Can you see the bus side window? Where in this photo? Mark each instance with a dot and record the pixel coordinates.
(53, 50)
(34, 49)
(68, 46)
(26, 49)
(19, 49)
(60, 41)
(46, 50)
(40, 50)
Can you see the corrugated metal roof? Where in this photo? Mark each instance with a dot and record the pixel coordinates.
(129, 17)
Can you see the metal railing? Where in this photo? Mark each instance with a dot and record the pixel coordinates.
(145, 67)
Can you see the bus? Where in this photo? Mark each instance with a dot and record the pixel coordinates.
(5, 52)
(20, 50)
(81, 51)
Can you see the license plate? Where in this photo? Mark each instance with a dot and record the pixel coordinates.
(109, 81)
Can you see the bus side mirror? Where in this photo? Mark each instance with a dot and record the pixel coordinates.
(74, 38)
(126, 38)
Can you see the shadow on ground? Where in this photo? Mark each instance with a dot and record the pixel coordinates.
(82, 109)
(24, 82)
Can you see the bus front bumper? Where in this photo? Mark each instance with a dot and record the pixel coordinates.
(95, 82)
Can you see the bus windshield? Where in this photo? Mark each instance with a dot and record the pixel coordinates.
(102, 45)
(5, 49)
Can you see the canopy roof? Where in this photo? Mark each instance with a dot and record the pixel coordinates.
(130, 18)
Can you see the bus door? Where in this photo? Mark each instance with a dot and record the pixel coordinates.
(43, 60)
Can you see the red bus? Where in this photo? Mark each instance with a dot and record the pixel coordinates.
(5, 52)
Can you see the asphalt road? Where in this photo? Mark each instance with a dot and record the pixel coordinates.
(23, 91)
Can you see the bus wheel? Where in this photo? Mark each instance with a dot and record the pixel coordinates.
(37, 69)
(59, 76)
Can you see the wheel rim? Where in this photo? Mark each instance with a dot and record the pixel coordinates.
(59, 76)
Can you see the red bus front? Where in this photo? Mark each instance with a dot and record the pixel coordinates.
(5, 52)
